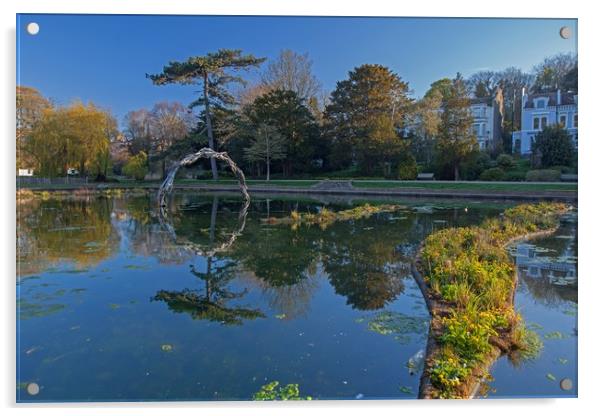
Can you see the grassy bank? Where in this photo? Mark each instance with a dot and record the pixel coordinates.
(360, 184)
(469, 280)
(469, 186)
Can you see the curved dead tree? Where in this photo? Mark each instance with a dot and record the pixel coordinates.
(207, 153)
(167, 187)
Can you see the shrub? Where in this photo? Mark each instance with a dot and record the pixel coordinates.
(407, 172)
(505, 161)
(514, 176)
(136, 167)
(405, 168)
(543, 175)
(555, 146)
(493, 174)
(563, 169)
(475, 165)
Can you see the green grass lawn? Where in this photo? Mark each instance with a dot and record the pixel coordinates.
(302, 183)
(475, 186)
(363, 184)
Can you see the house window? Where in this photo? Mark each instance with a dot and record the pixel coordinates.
(575, 121)
(544, 122)
(475, 128)
(563, 121)
(541, 103)
(536, 123)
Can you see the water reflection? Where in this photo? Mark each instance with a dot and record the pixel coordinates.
(211, 303)
(50, 232)
(548, 267)
(547, 299)
(334, 310)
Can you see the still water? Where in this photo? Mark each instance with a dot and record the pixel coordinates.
(116, 303)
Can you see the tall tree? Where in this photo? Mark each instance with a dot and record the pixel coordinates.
(428, 119)
(155, 131)
(365, 115)
(138, 127)
(170, 123)
(286, 111)
(569, 82)
(213, 73)
(456, 140)
(483, 83)
(443, 87)
(267, 145)
(75, 136)
(550, 74)
(30, 109)
(292, 71)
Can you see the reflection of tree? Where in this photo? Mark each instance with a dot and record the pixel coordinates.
(364, 266)
(145, 235)
(210, 303)
(77, 230)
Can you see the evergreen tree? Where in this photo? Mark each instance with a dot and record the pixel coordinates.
(554, 146)
(287, 112)
(213, 73)
(364, 117)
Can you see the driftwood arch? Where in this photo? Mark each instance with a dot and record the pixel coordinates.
(167, 187)
(206, 153)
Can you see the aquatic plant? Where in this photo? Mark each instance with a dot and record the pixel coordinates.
(470, 280)
(326, 217)
(271, 391)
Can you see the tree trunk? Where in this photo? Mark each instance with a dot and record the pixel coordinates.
(267, 177)
(267, 141)
(209, 126)
(456, 172)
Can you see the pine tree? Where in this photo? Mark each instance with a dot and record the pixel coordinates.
(213, 73)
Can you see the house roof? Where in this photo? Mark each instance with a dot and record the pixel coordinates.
(485, 100)
(565, 99)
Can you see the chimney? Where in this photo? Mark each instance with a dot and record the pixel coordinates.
(558, 97)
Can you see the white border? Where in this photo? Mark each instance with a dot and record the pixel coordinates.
(589, 193)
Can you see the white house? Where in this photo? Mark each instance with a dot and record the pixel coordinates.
(488, 115)
(541, 110)
(25, 172)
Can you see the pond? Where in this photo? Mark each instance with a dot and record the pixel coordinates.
(116, 303)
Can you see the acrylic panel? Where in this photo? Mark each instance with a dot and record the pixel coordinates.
(218, 208)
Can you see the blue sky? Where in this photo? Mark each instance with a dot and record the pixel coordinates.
(104, 58)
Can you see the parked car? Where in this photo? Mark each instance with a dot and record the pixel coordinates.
(72, 172)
